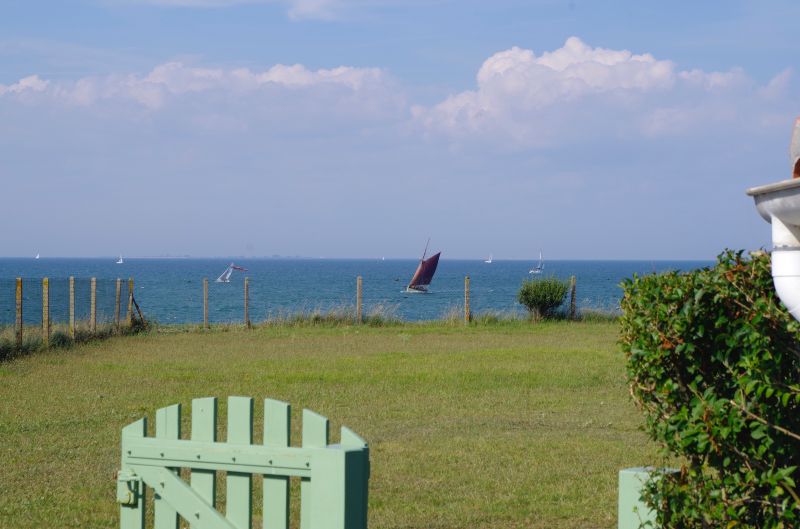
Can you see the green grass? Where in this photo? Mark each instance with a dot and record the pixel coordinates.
(508, 425)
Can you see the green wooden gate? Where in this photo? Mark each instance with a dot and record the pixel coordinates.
(333, 488)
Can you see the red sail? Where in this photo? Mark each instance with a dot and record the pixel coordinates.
(425, 270)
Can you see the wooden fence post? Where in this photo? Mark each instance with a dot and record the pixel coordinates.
(116, 304)
(205, 303)
(573, 312)
(93, 306)
(467, 315)
(130, 302)
(71, 307)
(359, 300)
(19, 312)
(46, 312)
(247, 302)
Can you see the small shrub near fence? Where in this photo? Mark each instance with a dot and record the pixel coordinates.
(713, 360)
(542, 297)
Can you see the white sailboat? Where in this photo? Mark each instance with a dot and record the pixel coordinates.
(489, 260)
(539, 267)
(225, 277)
(120, 261)
(37, 256)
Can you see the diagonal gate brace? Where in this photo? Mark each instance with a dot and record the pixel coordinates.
(181, 497)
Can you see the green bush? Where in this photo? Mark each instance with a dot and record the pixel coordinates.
(713, 360)
(542, 296)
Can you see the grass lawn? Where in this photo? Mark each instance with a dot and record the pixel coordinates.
(499, 426)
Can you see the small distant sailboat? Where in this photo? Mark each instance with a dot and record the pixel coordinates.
(225, 277)
(120, 261)
(424, 274)
(539, 267)
(37, 256)
(489, 260)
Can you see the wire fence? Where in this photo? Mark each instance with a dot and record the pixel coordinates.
(37, 308)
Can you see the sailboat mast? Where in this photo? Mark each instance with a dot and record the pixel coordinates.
(426, 249)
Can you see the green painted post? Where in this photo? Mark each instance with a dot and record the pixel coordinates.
(18, 326)
(46, 312)
(633, 512)
(357, 480)
(277, 432)
(204, 428)
(339, 485)
(238, 505)
(315, 435)
(131, 515)
(168, 426)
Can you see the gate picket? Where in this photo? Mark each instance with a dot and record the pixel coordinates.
(131, 516)
(315, 435)
(204, 428)
(238, 502)
(277, 432)
(168, 426)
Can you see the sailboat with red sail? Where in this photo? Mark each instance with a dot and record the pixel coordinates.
(424, 274)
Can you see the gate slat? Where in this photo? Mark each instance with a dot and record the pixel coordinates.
(238, 505)
(132, 516)
(315, 435)
(168, 426)
(277, 431)
(204, 428)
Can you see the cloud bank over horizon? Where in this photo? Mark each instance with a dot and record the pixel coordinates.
(521, 99)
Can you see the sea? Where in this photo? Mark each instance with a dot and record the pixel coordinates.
(170, 291)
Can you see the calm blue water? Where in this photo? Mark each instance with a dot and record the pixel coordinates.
(170, 290)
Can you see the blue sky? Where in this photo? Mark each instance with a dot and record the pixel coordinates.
(357, 128)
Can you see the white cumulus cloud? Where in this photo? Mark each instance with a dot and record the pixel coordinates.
(535, 100)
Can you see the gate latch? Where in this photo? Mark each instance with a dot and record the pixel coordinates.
(128, 487)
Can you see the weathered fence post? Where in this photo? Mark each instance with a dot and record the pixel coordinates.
(359, 300)
(467, 315)
(205, 303)
(247, 302)
(93, 306)
(46, 312)
(71, 307)
(116, 304)
(573, 311)
(18, 327)
(130, 302)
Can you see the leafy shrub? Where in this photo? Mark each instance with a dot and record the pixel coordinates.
(713, 360)
(542, 296)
